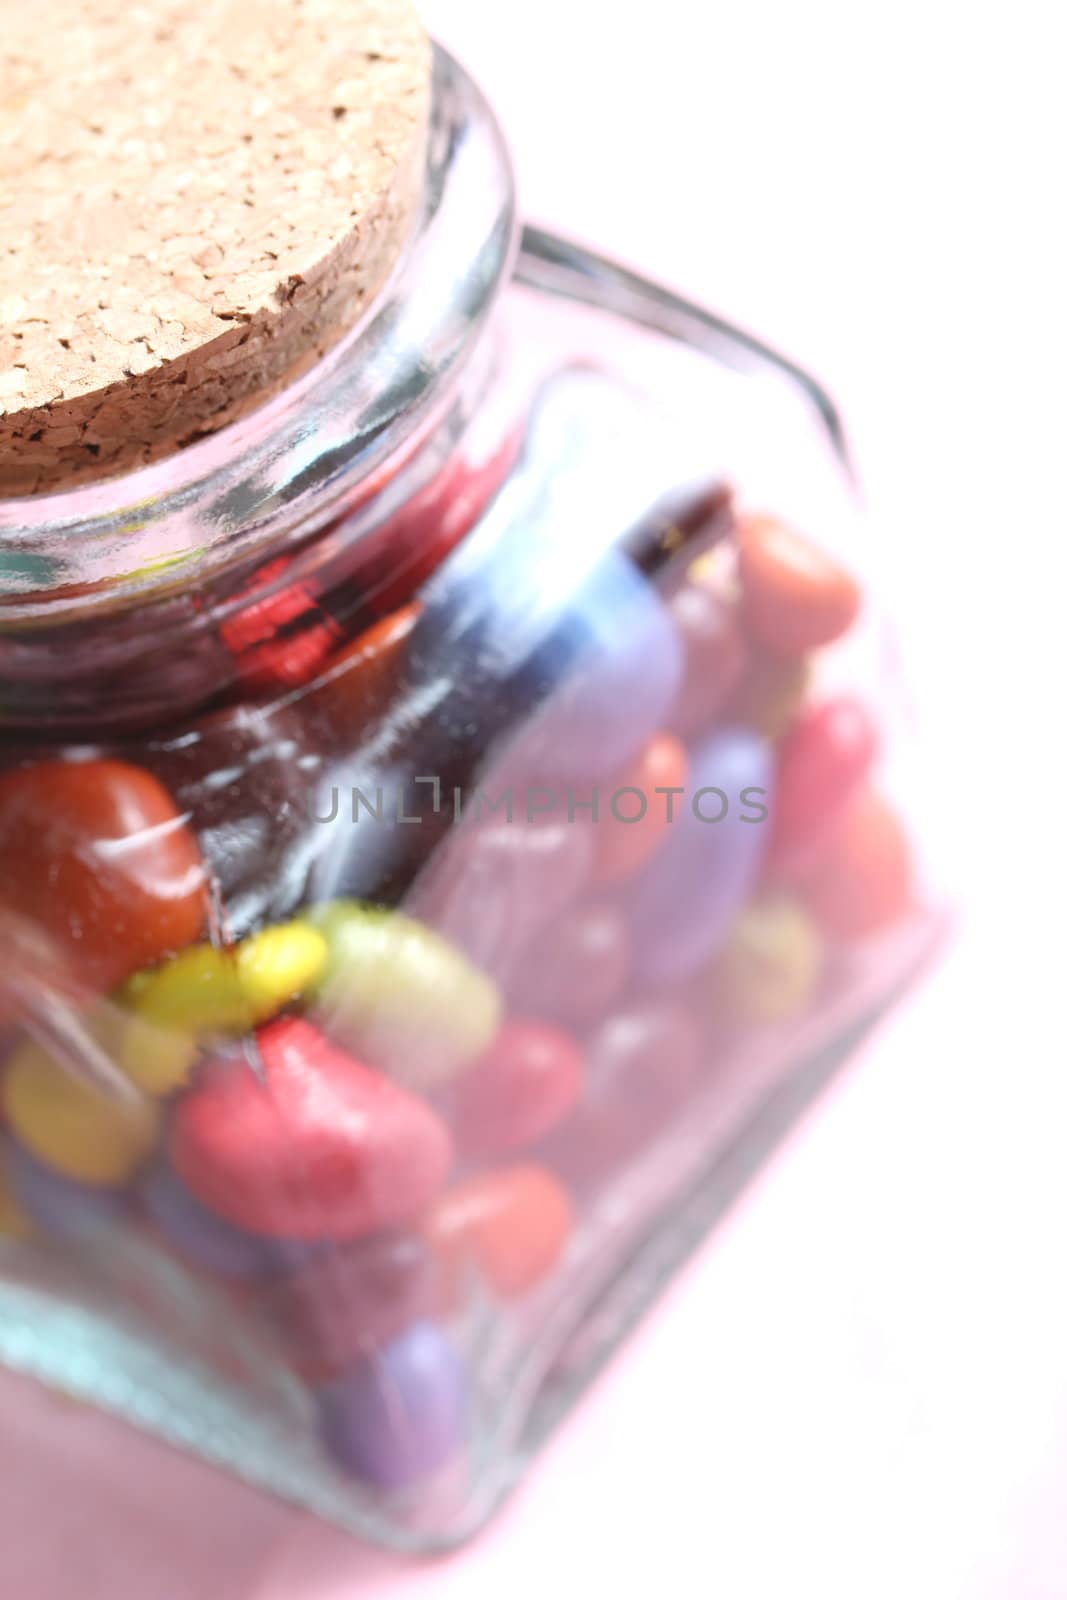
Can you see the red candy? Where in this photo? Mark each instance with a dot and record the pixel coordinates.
(509, 1226)
(623, 847)
(865, 882)
(360, 681)
(822, 763)
(308, 1143)
(529, 1080)
(96, 855)
(795, 598)
(348, 1300)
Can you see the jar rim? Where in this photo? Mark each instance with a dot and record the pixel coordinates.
(277, 474)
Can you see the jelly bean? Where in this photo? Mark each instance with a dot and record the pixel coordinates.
(210, 990)
(577, 969)
(158, 1060)
(866, 880)
(248, 775)
(770, 966)
(72, 1127)
(14, 1223)
(348, 1300)
(399, 1415)
(795, 597)
(631, 826)
(307, 1143)
(200, 1236)
(496, 884)
(771, 694)
(529, 1080)
(715, 650)
(403, 995)
(98, 854)
(617, 668)
(683, 904)
(58, 1206)
(822, 764)
(360, 682)
(510, 1226)
(641, 1065)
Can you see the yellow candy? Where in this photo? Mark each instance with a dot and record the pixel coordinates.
(771, 963)
(13, 1223)
(158, 1060)
(206, 990)
(401, 995)
(72, 1127)
(279, 965)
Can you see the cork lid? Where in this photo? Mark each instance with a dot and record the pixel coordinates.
(196, 201)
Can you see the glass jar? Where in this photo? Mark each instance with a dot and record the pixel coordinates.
(450, 821)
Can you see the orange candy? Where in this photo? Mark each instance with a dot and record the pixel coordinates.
(865, 881)
(623, 847)
(96, 855)
(795, 598)
(511, 1226)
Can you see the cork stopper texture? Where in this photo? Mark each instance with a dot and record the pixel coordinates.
(197, 199)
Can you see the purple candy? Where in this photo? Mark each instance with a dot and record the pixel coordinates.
(60, 1206)
(198, 1235)
(399, 1415)
(684, 903)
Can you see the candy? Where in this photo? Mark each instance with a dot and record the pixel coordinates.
(158, 1060)
(402, 995)
(73, 1127)
(795, 597)
(771, 694)
(496, 884)
(822, 764)
(715, 651)
(577, 969)
(683, 904)
(529, 1080)
(641, 1064)
(866, 880)
(510, 1226)
(307, 1143)
(400, 1414)
(359, 682)
(204, 989)
(59, 1206)
(771, 964)
(349, 1299)
(200, 1236)
(99, 855)
(632, 818)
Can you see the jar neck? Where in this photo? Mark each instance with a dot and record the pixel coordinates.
(143, 597)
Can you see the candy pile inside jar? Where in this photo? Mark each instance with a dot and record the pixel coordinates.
(370, 1075)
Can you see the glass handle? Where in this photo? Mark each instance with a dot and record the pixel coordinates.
(555, 265)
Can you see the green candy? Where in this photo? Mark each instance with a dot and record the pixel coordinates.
(401, 996)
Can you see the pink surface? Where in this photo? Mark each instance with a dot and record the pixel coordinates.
(860, 1387)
